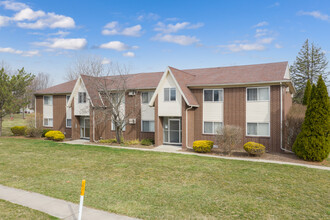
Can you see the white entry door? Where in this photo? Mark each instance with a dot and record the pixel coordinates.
(172, 131)
(84, 127)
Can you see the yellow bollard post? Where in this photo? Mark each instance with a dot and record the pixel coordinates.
(83, 183)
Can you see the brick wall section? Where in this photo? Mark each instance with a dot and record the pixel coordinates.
(235, 114)
(39, 111)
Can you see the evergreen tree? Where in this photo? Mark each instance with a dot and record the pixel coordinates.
(313, 142)
(310, 63)
(307, 93)
(12, 92)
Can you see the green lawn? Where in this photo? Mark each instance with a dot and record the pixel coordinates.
(12, 211)
(17, 121)
(152, 185)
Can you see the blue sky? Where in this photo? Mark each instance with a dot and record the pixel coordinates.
(47, 36)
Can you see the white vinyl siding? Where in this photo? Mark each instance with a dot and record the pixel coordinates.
(147, 112)
(148, 126)
(81, 108)
(258, 129)
(212, 127)
(68, 113)
(48, 111)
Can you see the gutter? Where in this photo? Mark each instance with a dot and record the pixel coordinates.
(281, 109)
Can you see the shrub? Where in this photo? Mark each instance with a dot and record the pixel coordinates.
(202, 146)
(18, 130)
(44, 131)
(33, 132)
(132, 142)
(108, 141)
(229, 138)
(253, 148)
(313, 142)
(55, 135)
(147, 142)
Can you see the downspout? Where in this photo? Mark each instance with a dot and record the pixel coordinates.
(282, 121)
(93, 126)
(187, 125)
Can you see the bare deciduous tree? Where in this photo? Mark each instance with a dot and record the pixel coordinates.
(90, 65)
(108, 86)
(41, 81)
(228, 138)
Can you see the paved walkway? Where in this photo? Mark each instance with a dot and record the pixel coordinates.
(54, 207)
(177, 150)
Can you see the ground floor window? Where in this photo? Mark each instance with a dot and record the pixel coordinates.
(148, 126)
(257, 129)
(113, 126)
(68, 123)
(211, 127)
(48, 122)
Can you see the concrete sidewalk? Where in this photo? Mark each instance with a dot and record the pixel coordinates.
(54, 207)
(177, 150)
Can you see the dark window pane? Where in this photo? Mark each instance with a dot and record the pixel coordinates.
(216, 95)
(252, 94)
(144, 97)
(173, 94)
(166, 94)
(208, 95)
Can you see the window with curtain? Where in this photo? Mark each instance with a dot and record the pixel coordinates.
(82, 97)
(258, 94)
(48, 100)
(212, 127)
(146, 97)
(213, 95)
(257, 129)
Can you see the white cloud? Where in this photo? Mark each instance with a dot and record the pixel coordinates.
(148, 16)
(105, 61)
(177, 39)
(315, 14)
(60, 33)
(11, 5)
(173, 28)
(30, 19)
(261, 24)
(4, 20)
(276, 4)
(117, 45)
(29, 53)
(62, 43)
(265, 40)
(51, 20)
(259, 45)
(112, 28)
(129, 54)
(261, 32)
(278, 46)
(28, 14)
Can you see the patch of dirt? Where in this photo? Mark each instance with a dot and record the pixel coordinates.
(284, 157)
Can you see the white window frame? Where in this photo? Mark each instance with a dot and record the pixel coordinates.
(263, 87)
(213, 95)
(66, 117)
(169, 95)
(214, 133)
(148, 121)
(150, 94)
(246, 127)
(48, 126)
(84, 100)
(43, 99)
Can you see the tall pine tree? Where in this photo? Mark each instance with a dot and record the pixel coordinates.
(307, 93)
(313, 142)
(310, 63)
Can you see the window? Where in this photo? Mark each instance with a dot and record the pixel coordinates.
(146, 97)
(169, 94)
(48, 100)
(213, 95)
(257, 129)
(81, 97)
(148, 126)
(67, 99)
(113, 126)
(258, 94)
(212, 127)
(68, 123)
(48, 122)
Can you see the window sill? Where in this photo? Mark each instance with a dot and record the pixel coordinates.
(257, 136)
(209, 134)
(47, 126)
(147, 132)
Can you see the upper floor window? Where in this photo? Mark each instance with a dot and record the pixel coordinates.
(169, 94)
(67, 99)
(258, 94)
(146, 97)
(48, 100)
(213, 95)
(81, 97)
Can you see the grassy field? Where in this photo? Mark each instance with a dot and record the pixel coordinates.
(17, 121)
(12, 211)
(152, 185)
